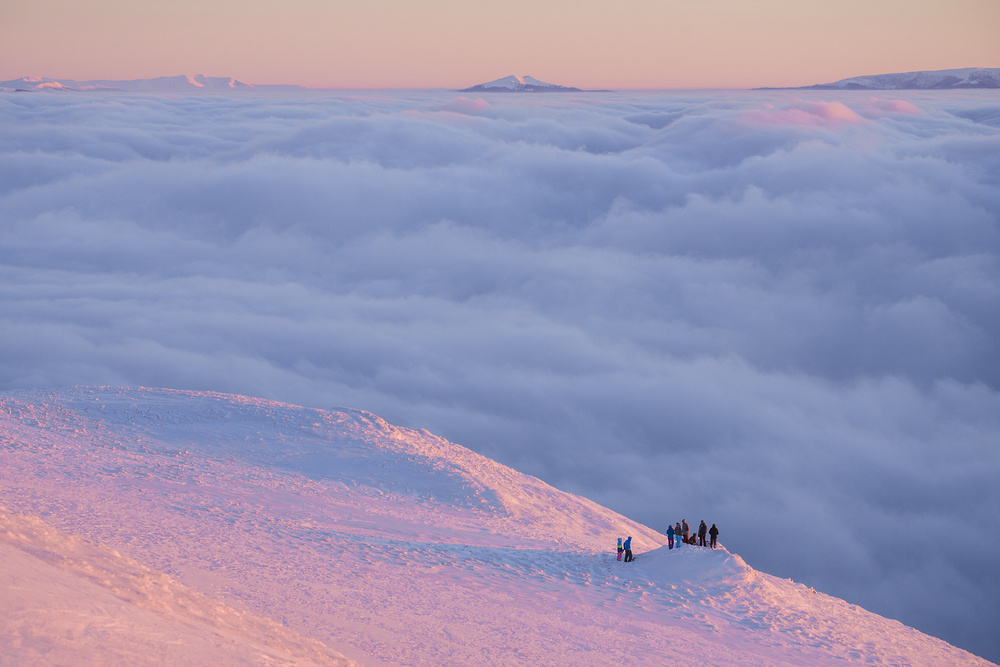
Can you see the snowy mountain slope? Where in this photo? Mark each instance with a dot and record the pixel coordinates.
(388, 545)
(163, 84)
(947, 79)
(68, 601)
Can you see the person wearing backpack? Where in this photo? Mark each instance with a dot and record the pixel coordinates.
(628, 549)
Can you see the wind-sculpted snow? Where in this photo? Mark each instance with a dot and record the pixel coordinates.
(69, 602)
(775, 311)
(224, 529)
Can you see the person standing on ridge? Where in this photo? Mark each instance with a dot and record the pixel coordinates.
(670, 537)
(714, 533)
(620, 548)
(678, 534)
(686, 529)
(628, 549)
(702, 531)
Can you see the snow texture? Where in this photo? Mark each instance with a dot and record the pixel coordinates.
(69, 601)
(153, 526)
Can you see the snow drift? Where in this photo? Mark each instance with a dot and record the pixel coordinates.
(68, 601)
(160, 526)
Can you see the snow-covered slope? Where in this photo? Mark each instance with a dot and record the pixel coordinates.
(285, 531)
(968, 77)
(163, 84)
(518, 84)
(68, 601)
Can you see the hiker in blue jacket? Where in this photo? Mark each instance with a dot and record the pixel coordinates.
(628, 549)
(670, 537)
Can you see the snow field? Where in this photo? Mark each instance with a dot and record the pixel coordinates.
(261, 530)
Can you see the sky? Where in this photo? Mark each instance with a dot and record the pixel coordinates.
(626, 44)
(776, 311)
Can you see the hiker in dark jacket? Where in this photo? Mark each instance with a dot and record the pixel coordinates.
(684, 527)
(670, 537)
(702, 530)
(714, 533)
(628, 549)
(678, 534)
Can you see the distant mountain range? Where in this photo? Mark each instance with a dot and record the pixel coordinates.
(522, 84)
(945, 79)
(162, 84)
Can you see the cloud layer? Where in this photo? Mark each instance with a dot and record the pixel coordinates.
(779, 313)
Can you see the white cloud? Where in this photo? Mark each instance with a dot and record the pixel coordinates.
(778, 314)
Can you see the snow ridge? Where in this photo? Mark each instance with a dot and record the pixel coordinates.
(304, 535)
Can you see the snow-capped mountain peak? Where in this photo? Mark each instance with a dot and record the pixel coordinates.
(517, 84)
(513, 82)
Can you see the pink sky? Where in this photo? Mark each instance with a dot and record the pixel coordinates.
(456, 43)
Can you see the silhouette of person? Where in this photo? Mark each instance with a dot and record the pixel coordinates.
(714, 534)
(702, 530)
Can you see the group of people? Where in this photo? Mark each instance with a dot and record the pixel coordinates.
(681, 533)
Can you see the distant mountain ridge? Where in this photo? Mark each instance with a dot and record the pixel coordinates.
(945, 79)
(162, 84)
(520, 84)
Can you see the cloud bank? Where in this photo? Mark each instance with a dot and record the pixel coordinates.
(778, 312)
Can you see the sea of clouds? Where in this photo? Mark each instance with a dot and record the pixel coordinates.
(777, 311)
